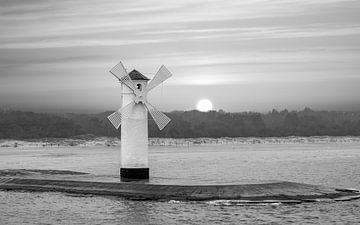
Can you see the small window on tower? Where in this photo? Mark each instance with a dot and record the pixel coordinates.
(139, 86)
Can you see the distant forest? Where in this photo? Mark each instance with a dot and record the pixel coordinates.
(186, 124)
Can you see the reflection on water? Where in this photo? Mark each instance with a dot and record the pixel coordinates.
(328, 164)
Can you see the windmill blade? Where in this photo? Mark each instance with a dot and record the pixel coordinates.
(120, 73)
(162, 74)
(160, 118)
(115, 118)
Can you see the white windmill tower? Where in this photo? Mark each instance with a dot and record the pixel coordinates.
(132, 117)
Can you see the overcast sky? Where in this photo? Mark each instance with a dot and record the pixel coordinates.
(248, 55)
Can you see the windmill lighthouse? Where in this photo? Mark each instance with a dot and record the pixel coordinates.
(133, 118)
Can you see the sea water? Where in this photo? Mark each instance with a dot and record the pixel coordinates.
(329, 164)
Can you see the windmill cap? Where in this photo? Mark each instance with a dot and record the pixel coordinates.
(136, 75)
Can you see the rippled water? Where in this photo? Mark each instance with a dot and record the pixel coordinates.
(336, 165)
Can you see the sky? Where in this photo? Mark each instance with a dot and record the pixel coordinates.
(248, 55)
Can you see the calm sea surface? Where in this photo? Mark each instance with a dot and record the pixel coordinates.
(335, 165)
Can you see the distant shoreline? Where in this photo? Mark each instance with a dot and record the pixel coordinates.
(186, 124)
(93, 141)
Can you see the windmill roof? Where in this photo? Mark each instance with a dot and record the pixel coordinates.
(136, 75)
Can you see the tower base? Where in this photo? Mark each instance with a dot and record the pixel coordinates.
(127, 174)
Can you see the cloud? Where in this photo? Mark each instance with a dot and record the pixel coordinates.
(78, 23)
(68, 46)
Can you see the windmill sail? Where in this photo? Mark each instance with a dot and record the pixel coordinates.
(115, 118)
(120, 73)
(162, 74)
(160, 118)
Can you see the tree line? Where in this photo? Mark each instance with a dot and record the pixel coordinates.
(187, 124)
(26, 125)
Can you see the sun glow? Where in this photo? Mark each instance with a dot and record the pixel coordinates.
(204, 105)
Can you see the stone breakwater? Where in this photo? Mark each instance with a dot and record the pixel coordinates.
(251, 193)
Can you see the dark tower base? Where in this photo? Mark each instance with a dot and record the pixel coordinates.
(128, 174)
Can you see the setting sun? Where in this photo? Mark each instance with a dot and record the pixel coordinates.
(204, 105)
